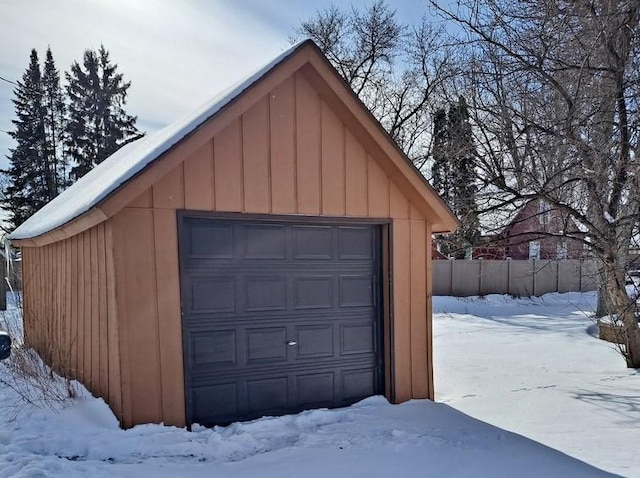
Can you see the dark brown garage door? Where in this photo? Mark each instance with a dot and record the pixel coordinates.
(278, 317)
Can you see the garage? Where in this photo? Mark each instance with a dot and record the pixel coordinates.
(267, 254)
(278, 317)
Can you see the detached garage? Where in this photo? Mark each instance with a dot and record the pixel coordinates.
(268, 254)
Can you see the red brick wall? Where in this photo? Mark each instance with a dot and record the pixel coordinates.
(528, 224)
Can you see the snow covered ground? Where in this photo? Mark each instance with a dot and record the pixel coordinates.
(532, 366)
(525, 365)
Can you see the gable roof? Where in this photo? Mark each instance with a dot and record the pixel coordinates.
(84, 198)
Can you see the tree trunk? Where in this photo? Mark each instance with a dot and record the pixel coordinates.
(602, 308)
(633, 345)
(623, 308)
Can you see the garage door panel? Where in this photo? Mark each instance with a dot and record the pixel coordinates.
(215, 402)
(357, 339)
(288, 321)
(358, 383)
(264, 242)
(268, 395)
(315, 389)
(314, 341)
(266, 345)
(202, 376)
(356, 243)
(217, 348)
(314, 292)
(313, 242)
(356, 290)
(213, 294)
(203, 322)
(210, 240)
(265, 293)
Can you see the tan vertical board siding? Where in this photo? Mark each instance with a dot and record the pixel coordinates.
(88, 326)
(378, 189)
(255, 158)
(429, 293)
(27, 309)
(73, 301)
(308, 144)
(29, 256)
(389, 386)
(168, 193)
(357, 200)
(114, 374)
(419, 352)
(95, 312)
(402, 309)
(169, 317)
(333, 166)
(32, 333)
(43, 319)
(33, 321)
(228, 168)
(80, 299)
(103, 317)
(282, 140)
(67, 282)
(58, 303)
(198, 174)
(144, 200)
(398, 204)
(134, 257)
(56, 316)
(68, 296)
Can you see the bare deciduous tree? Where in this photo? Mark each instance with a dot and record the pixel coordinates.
(397, 71)
(553, 89)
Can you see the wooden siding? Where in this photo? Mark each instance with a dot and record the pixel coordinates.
(288, 153)
(69, 312)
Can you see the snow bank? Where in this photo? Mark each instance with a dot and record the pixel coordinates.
(369, 439)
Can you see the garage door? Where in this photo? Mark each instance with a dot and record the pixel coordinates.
(278, 317)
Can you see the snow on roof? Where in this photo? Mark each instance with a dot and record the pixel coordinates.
(132, 158)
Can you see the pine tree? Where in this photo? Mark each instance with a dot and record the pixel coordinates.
(463, 156)
(54, 124)
(453, 175)
(441, 171)
(97, 122)
(27, 188)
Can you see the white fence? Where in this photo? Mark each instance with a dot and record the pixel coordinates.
(464, 278)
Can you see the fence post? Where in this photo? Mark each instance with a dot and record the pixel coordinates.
(3, 285)
(451, 276)
(580, 275)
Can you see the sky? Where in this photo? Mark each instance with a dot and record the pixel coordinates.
(176, 53)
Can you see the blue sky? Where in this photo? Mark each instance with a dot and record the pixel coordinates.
(176, 53)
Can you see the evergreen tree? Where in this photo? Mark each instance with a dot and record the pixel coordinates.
(27, 188)
(97, 122)
(440, 170)
(453, 175)
(463, 154)
(54, 124)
